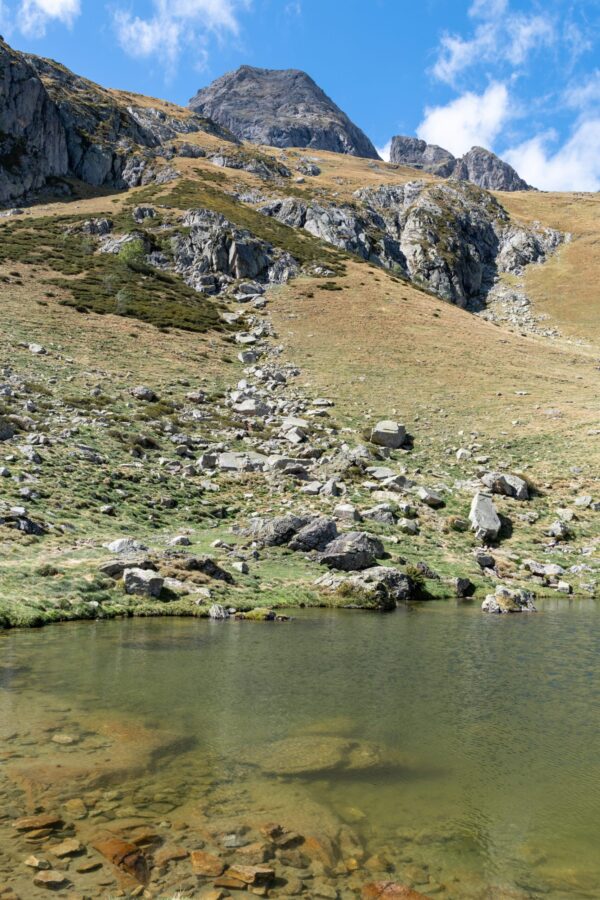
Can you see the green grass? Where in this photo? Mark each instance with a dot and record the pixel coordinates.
(107, 283)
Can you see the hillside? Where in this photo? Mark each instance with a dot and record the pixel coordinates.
(264, 354)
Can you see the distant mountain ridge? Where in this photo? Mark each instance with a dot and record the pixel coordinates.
(282, 108)
(479, 166)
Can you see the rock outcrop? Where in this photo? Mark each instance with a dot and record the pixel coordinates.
(451, 238)
(417, 154)
(215, 252)
(479, 166)
(56, 125)
(282, 108)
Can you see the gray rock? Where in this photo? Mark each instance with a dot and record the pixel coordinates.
(508, 485)
(281, 108)
(142, 392)
(479, 166)
(408, 526)
(504, 600)
(379, 587)
(144, 582)
(347, 512)
(484, 168)
(388, 434)
(409, 151)
(382, 513)
(430, 498)
(280, 530)
(7, 430)
(484, 519)
(217, 611)
(463, 587)
(126, 545)
(317, 535)
(560, 531)
(352, 552)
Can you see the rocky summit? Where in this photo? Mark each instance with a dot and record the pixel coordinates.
(479, 166)
(282, 108)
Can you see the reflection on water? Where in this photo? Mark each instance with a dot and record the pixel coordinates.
(460, 747)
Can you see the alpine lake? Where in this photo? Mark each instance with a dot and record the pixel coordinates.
(450, 751)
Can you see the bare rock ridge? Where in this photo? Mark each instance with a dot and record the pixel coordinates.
(451, 238)
(56, 125)
(480, 166)
(282, 108)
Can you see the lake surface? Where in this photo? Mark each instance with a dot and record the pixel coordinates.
(449, 750)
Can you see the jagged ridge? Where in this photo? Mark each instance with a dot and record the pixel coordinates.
(480, 166)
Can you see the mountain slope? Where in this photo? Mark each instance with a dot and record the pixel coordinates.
(282, 108)
(55, 125)
(480, 166)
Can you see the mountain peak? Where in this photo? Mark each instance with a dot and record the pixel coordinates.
(479, 165)
(282, 108)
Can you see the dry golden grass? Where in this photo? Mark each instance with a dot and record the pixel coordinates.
(567, 287)
(381, 349)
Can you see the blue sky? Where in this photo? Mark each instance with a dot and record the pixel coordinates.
(518, 76)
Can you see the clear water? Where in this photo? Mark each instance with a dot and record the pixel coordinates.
(496, 718)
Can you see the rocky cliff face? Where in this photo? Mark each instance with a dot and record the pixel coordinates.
(479, 166)
(282, 108)
(451, 238)
(54, 124)
(33, 144)
(409, 151)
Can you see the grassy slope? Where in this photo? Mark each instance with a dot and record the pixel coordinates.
(378, 347)
(567, 286)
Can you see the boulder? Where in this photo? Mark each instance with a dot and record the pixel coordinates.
(508, 485)
(142, 392)
(382, 513)
(217, 611)
(315, 536)
(142, 582)
(505, 600)
(430, 498)
(388, 434)
(380, 587)
(484, 519)
(560, 531)
(463, 587)
(352, 552)
(126, 546)
(280, 530)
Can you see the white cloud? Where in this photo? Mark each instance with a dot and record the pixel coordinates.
(469, 120)
(584, 95)
(500, 36)
(385, 151)
(573, 167)
(34, 15)
(174, 23)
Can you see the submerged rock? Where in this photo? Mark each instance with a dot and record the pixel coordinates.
(391, 890)
(311, 754)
